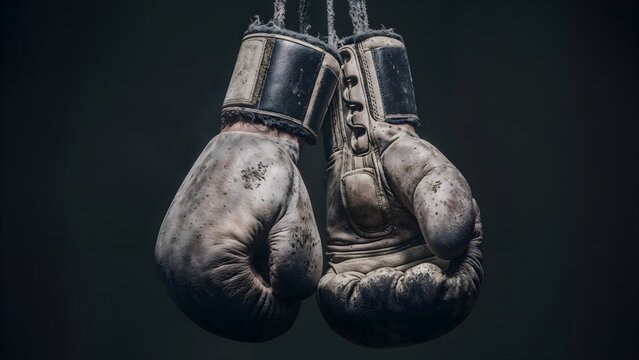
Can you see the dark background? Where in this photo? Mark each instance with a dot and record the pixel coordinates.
(106, 104)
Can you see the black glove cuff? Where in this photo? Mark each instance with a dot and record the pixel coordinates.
(389, 84)
(282, 81)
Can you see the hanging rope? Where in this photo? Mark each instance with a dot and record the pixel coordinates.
(330, 14)
(356, 11)
(303, 14)
(359, 16)
(279, 12)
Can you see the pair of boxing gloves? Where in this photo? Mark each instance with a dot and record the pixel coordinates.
(239, 247)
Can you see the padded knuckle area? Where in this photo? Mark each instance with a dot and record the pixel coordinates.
(388, 307)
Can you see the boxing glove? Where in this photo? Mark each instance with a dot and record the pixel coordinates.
(404, 231)
(239, 248)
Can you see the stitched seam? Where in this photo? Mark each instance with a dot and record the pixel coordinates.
(265, 64)
(369, 83)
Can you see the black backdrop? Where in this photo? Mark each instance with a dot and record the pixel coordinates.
(106, 104)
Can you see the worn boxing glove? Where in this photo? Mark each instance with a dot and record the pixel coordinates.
(404, 232)
(239, 247)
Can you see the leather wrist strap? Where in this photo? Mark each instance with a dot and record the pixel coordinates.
(283, 79)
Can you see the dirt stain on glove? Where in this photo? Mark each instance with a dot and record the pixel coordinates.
(253, 175)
